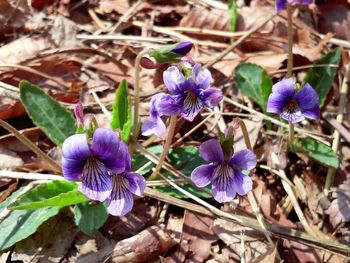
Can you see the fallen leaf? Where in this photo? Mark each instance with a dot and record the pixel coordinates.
(231, 234)
(339, 211)
(268, 257)
(9, 159)
(196, 239)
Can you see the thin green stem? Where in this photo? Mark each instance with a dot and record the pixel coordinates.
(290, 41)
(136, 123)
(169, 139)
(55, 166)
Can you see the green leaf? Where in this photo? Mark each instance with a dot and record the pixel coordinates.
(90, 217)
(317, 151)
(48, 114)
(232, 5)
(254, 82)
(321, 78)
(184, 159)
(20, 224)
(121, 114)
(57, 193)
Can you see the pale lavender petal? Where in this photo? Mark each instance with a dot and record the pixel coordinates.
(285, 87)
(307, 97)
(313, 114)
(120, 201)
(293, 116)
(183, 48)
(276, 103)
(211, 151)
(172, 78)
(243, 184)
(137, 183)
(191, 106)
(168, 105)
(203, 175)
(280, 5)
(211, 97)
(72, 169)
(76, 147)
(105, 146)
(223, 189)
(244, 159)
(201, 76)
(154, 126)
(96, 182)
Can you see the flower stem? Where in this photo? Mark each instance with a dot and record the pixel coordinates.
(136, 123)
(169, 139)
(55, 166)
(290, 41)
(251, 196)
(291, 136)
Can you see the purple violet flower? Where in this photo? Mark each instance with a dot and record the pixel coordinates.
(225, 175)
(188, 97)
(293, 106)
(103, 167)
(281, 4)
(183, 48)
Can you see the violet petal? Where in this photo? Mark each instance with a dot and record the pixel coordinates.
(72, 169)
(211, 151)
(293, 117)
(168, 105)
(76, 147)
(203, 175)
(244, 159)
(201, 76)
(96, 182)
(172, 78)
(105, 146)
(276, 103)
(211, 97)
(223, 189)
(137, 183)
(313, 113)
(121, 200)
(154, 126)
(307, 97)
(183, 48)
(285, 87)
(242, 183)
(280, 5)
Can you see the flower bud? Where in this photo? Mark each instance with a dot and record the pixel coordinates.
(171, 53)
(148, 63)
(79, 113)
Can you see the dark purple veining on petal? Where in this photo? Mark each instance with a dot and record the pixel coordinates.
(225, 176)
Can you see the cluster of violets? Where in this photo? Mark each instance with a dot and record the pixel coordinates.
(103, 166)
(101, 162)
(188, 96)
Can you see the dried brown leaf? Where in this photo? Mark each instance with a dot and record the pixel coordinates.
(339, 211)
(9, 159)
(14, 53)
(231, 234)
